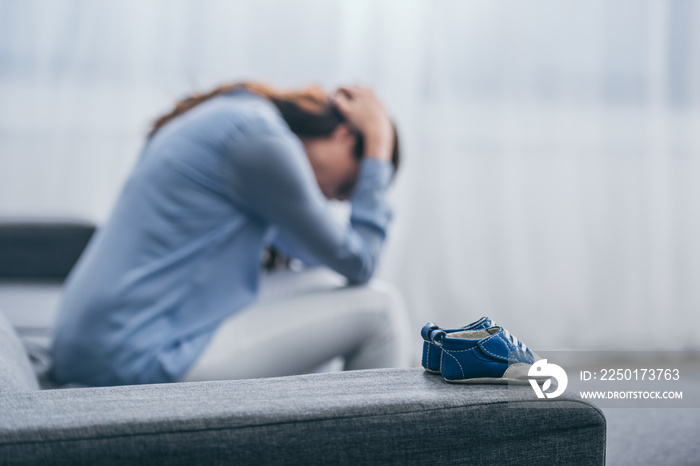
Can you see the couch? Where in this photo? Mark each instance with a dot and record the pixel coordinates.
(385, 416)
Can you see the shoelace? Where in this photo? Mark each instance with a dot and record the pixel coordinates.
(514, 340)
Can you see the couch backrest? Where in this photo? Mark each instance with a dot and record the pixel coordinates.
(41, 249)
(16, 372)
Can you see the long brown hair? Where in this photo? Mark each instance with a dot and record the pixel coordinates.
(309, 112)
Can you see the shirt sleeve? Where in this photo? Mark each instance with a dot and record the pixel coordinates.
(286, 246)
(272, 176)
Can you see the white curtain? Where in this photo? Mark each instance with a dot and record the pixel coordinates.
(552, 167)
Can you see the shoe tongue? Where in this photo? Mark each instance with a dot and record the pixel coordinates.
(471, 334)
(493, 330)
(484, 322)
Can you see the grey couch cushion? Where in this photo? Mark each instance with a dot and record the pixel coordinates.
(15, 371)
(390, 416)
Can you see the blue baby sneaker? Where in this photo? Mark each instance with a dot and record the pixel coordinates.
(433, 353)
(490, 355)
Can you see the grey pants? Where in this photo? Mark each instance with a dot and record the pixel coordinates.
(303, 320)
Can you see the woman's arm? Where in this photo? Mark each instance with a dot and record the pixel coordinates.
(272, 176)
(366, 114)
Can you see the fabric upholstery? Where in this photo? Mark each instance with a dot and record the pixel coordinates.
(390, 416)
(16, 373)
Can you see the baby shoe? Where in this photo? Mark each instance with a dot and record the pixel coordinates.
(490, 355)
(433, 353)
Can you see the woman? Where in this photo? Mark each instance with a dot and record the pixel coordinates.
(164, 291)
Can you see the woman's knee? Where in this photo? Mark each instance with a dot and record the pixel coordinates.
(386, 300)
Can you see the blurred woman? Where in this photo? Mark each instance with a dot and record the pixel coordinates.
(166, 289)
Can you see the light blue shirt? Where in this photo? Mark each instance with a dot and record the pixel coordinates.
(181, 250)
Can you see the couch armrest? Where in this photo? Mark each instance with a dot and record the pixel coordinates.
(390, 416)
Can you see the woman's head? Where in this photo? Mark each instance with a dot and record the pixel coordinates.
(333, 145)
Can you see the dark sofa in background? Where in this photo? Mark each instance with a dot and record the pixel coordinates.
(41, 250)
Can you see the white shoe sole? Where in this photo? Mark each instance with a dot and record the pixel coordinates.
(492, 380)
(516, 374)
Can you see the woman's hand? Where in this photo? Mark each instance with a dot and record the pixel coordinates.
(366, 113)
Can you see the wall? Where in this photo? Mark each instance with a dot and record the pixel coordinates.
(552, 168)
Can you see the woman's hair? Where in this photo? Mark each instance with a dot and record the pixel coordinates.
(309, 112)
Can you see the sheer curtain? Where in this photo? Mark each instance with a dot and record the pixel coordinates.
(551, 175)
